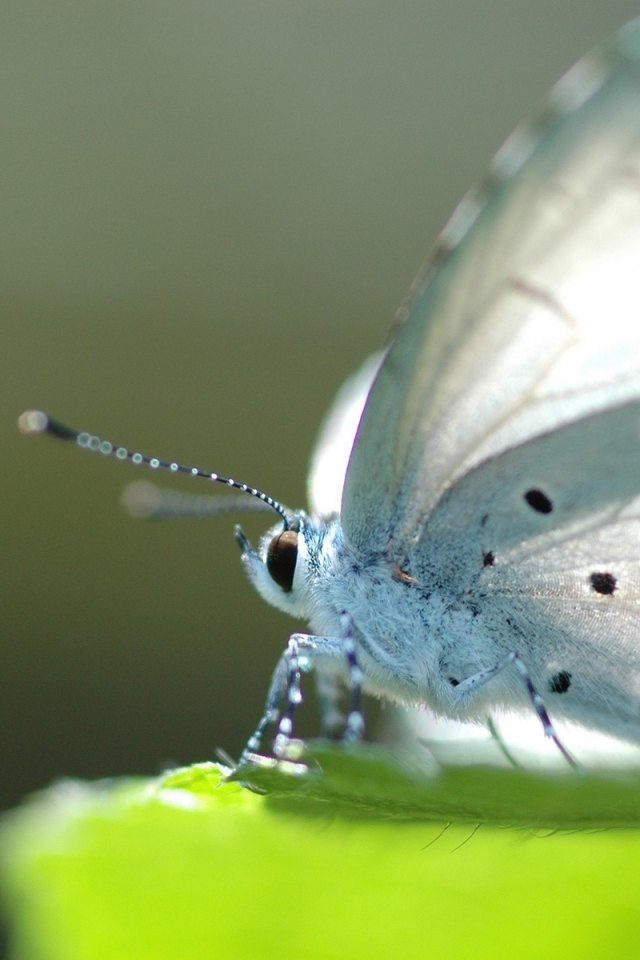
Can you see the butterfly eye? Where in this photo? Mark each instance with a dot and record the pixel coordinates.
(281, 559)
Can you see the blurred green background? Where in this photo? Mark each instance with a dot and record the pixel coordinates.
(209, 213)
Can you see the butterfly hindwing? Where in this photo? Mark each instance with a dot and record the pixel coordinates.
(543, 541)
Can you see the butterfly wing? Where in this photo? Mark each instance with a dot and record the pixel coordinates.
(527, 322)
(544, 540)
(547, 513)
(335, 440)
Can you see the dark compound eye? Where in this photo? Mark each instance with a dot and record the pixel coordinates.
(539, 501)
(561, 682)
(603, 582)
(281, 559)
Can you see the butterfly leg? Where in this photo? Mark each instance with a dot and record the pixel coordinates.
(303, 653)
(328, 689)
(294, 696)
(466, 687)
(271, 710)
(355, 719)
(329, 692)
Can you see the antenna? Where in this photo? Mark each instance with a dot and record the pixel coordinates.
(35, 421)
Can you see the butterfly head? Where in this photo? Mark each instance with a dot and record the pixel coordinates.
(279, 569)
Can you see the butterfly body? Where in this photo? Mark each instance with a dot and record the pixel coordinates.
(419, 636)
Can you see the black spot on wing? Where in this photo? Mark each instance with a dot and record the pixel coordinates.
(489, 559)
(538, 501)
(560, 682)
(603, 582)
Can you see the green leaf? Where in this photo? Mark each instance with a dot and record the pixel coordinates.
(366, 780)
(339, 860)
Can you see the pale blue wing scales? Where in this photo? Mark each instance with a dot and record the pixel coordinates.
(530, 321)
(580, 479)
(584, 639)
(561, 586)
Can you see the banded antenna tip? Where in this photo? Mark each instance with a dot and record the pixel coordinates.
(33, 421)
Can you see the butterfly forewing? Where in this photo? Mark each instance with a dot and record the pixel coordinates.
(531, 322)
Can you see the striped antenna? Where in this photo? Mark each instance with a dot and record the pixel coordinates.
(35, 421)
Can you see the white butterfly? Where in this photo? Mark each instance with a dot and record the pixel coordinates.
(486, 551)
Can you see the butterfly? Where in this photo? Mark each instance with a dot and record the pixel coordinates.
(480, 547)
